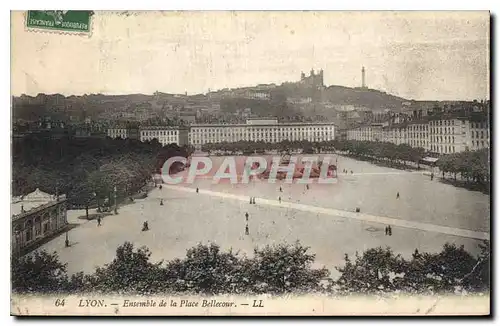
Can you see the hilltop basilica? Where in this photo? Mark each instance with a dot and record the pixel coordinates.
(313, 80)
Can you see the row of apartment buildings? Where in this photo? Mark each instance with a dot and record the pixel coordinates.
(267, 130)
(442, 136)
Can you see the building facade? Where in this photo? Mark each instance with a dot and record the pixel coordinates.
(373, 132)
(441, 136)
(123, 132)
(166, 134)
(478, 135)
(35, 217)
(449, 136)
(267, 130)
(418, 135)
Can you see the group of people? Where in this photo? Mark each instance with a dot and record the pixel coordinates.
(246, 226)
(388, 230)
(252, 200)
(345, 171)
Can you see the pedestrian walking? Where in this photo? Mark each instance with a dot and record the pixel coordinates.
(98, 221)
(161, 202)
(281, 190)
(351, 172)
(197, 190)
(161, 187)
(246, 216)
(145, 226)
(279, 198)
(397, 195)
(386, 230)
(389, 230)
(246, 230)
(307, 187)
(251, 202)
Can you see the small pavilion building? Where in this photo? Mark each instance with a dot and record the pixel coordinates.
(35, 217)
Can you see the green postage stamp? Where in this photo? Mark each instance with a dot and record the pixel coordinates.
(66, 21)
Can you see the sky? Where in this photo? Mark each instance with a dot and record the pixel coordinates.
(415, 55)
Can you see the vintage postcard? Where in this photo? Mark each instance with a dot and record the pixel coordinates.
(255, 163)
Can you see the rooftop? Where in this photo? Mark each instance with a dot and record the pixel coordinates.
(279, 124)
(31, 201)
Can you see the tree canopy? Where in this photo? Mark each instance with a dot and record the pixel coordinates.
(277, 269)
(87, 170)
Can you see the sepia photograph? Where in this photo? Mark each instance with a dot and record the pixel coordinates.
(250, 163)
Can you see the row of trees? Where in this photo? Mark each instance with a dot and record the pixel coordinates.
(277, 269)
(87, 170)
(382, 151)
(471, 166)
(250, 147)
(376, 151)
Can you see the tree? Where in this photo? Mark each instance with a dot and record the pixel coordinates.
(39, 272)
(285, 268)
(380, 271)
(206, 269)
(374, 271)
(479, 278)
(83, 194)
(446, 269)
(100, 185)
(129, 272)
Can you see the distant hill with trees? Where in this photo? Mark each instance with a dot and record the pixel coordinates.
(33, 107)
(369, 98)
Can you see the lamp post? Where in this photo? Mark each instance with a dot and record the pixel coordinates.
(116, 203)
(94, 195)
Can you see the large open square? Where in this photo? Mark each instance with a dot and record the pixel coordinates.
(320, 217)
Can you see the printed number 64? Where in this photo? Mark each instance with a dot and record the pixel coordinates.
(59, 303)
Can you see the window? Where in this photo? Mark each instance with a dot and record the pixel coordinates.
(29, 230)
(38, 226)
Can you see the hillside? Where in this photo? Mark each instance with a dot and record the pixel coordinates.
(370, 98)
(29, 107)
